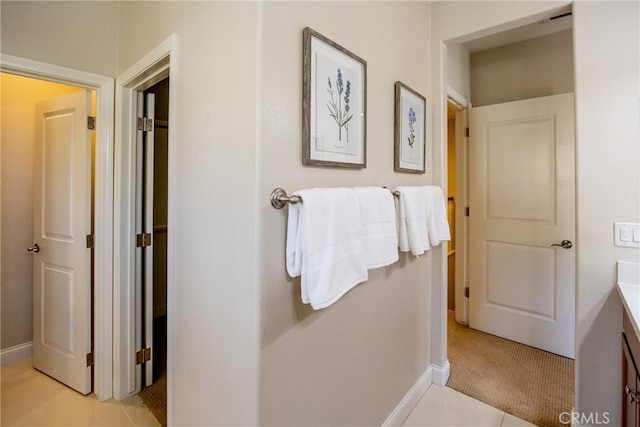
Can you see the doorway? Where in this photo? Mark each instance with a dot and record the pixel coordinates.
(153, 68)
(47, 286)
(499, 371)
(102, 88)
(456, 204)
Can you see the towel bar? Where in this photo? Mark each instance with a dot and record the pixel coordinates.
(279, 198)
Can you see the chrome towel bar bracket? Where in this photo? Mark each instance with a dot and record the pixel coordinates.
(279, 198)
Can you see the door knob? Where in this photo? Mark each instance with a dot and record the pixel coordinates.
(565, 244)
(34, 248)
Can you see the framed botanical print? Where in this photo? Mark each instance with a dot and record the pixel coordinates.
(410, 130)
(334, 104)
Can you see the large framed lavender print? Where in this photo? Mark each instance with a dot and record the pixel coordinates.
(410, 130)
(334, 104)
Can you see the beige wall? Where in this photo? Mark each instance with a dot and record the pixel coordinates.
(458, 78)
(248, 351)
(351, 363)
(19, 96)
(77, 34)
(607, 38)
(216, 306)
(528, 69)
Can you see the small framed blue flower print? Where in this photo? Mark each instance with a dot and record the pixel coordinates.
(410, 130)
(334, 104)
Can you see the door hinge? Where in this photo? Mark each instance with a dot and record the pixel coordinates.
(91, 122)
(145, 124)
(143, 356)
(143, 240)
(89, 241)
(466, 211)
(466, 132)
(466, 291)
(89, 359)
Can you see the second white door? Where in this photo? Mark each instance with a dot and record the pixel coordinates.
(522, 201)
(62, 259)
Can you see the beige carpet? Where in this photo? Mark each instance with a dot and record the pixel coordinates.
(155, 397)
(528, 383)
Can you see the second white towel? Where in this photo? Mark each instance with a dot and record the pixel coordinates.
(422, 219)
(379, 234)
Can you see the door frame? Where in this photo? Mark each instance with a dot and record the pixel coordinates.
(462, 201)
(103, 208)
(440, 78)
(150, 69)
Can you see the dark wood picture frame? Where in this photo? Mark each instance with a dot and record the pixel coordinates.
(327, 121)
(408, 137)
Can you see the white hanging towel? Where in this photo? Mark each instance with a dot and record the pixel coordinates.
(324, 244)
(422, 219)
(379, 232)
(412, 220)
(437, 222)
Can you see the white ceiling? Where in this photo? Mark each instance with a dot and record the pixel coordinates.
(526, 32)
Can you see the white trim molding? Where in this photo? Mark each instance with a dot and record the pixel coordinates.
(457, 98)
(410, 400)
(103, 209)
(441, 374)
(17, 353)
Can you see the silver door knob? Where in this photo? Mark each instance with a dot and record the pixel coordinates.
(34, 248)
(565, 244)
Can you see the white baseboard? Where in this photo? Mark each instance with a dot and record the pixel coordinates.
(441, 374)
(410, 400)
(16, 353)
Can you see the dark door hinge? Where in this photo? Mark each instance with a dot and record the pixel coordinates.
(466, 292)
(91, 122)
(466, 211)
(466, 132)
(145, 124)
(143, 240)
(90, 241)
(143, 356)
(89, 359)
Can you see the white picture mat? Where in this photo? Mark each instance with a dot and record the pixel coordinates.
(412, 158)
(325, 135)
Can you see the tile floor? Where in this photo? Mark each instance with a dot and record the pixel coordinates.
(443, 406)
(30, 398)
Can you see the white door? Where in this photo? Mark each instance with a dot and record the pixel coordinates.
(62, 221)
(522, 201)
(145, 141)
(149, 145)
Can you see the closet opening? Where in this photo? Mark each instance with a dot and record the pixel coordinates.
(151, 239)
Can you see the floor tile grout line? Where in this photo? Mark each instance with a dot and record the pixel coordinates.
(126, 414)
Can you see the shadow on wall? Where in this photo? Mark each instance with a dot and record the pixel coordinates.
(607, 317)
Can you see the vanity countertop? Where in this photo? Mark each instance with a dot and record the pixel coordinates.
(629, 288)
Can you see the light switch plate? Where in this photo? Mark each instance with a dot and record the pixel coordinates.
(627, 234)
